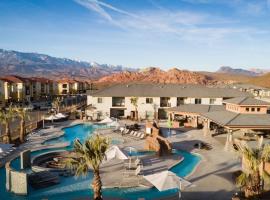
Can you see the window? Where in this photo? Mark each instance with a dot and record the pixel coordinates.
(258, 109)
(64, 85)
(149, 100)
(252, 109)
(247, 109)
(99, 100)
(212, 101)
(198, 101)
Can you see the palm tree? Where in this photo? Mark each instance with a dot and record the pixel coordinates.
(6, 116)
(134, 102)
(89, 155)
(57, 103)
(23, 115)
(254, 174)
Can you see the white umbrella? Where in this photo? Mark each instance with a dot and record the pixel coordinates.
(114, 123)
(51, 117)
(60, 115)
(115, 153)
(106, 120)
(164, 180)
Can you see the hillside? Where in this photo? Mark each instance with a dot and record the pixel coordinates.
(156, 75)
(263, 81)
(35, 64)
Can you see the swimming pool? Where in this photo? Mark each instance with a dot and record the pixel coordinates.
(71, 187)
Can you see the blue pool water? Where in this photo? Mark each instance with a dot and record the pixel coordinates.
(74, 188)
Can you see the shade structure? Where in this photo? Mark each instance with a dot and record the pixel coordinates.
(115, 153)
(60, 115)
(51, 117)
(5, 147)
(114, 124)
(164, 180)
(106, 121)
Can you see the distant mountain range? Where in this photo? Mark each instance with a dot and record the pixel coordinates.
(35, 64)
(244, 72)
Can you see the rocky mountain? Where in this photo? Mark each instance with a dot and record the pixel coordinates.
(156, 75)
(35, 64)
(238, 71)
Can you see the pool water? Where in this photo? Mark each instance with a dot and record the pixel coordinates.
(76, 188)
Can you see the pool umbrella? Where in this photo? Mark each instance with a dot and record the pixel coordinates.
(164, 180)
(51, 118)
(106, 120)
(115, 153)
(60, 115)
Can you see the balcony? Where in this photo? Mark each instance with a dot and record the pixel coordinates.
(165, 102)
(118, 102)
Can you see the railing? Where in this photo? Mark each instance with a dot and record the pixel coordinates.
(165, 104)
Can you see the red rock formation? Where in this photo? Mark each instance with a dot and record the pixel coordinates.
(156, 75)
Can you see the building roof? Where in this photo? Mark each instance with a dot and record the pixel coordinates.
(167, 90)
(231, 119)
(41, 80)
(196, 108)
(247, 86)
(15, 79)
(245, 101)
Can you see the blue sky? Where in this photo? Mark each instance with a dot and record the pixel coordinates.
(189, 34)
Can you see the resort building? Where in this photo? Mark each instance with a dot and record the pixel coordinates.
(153, 100)
(237, 116)
(72, 86)
(16, 88)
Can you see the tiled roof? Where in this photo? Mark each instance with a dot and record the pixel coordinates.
(168, 90)
(227, 118)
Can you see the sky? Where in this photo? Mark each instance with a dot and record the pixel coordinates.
(199, 35)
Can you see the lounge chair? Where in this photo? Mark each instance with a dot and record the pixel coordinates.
(132, 172)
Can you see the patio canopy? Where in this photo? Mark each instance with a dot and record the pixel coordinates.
(164, 180)
(115, 153)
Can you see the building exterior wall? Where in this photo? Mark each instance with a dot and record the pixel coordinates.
(145, 110)
(246, 109)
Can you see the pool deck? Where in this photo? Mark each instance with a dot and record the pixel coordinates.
(212, 179)
(113, 173)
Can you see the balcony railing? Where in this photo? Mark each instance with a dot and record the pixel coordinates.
(118, 104)
(165, 104)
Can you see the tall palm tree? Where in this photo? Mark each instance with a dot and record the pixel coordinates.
(23, 115)
(134, 102)
(6, 116)
(254, 174)
(57, 103)
(89, 155)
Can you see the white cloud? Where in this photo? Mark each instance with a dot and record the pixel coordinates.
(188, 26)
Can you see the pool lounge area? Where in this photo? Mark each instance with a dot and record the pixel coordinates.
(76, 188)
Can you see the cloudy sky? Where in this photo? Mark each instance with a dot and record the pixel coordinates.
(189, 34)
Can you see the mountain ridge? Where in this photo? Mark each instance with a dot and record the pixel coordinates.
(21, 63)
